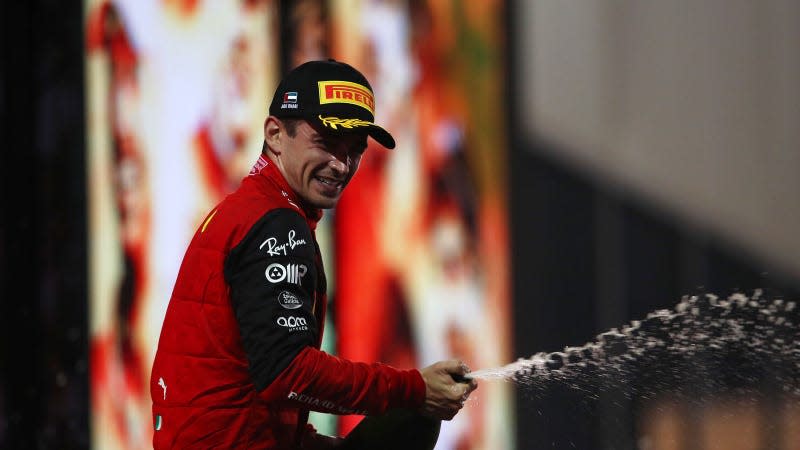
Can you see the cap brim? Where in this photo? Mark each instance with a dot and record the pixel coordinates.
(381, 136)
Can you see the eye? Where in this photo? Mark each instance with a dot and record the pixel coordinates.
(322, 144)
(359, 147)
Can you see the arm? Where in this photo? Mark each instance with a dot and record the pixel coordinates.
(326, 383)
(273, 282)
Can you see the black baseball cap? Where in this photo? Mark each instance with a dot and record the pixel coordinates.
(332, 94)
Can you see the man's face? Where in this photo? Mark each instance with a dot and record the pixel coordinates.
(318, 164)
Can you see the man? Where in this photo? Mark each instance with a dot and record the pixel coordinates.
(238, 362)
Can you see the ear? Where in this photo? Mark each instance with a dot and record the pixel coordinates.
(273, 134)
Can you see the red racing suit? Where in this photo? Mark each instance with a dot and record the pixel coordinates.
(238, 363)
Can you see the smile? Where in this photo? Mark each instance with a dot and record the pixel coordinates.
(331, 182)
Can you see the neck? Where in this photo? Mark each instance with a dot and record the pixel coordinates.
(273, 160)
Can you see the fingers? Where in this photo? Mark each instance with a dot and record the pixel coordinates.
(471, 385)
(465, 390)
(448, 388)
(459, 372)
(463, 369)
(453, 366)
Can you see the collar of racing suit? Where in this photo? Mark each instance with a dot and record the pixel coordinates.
(264, 167)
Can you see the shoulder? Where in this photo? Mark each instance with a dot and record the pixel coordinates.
(279, 232)
(254, 205)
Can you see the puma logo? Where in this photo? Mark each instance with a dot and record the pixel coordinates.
(163, 386)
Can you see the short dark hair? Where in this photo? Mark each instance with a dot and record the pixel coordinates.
(291, 126)
(291, 129)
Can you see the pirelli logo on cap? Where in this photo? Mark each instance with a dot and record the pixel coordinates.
(346, 92)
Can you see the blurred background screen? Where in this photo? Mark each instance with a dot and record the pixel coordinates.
(177, 94)
(563, 169)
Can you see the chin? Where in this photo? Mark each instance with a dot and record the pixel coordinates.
(325, 203)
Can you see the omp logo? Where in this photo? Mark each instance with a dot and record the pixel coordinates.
(346, 92)
(291, 273)
(289, 300)
(293, 323)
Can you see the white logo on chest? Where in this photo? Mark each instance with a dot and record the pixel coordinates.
(289, 300)
(292, 273)
(276, 248)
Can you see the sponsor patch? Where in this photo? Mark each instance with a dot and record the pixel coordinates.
(293, 323)
(346, 92)
(291, 273)
(289, 300)
(260, 164)
(289, 100)
(327, 404)
(276, 247)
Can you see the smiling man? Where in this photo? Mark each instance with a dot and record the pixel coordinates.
(238, 363)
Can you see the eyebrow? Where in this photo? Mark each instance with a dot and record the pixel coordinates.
(318, 138)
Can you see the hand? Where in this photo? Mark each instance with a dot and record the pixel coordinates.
(444, 396)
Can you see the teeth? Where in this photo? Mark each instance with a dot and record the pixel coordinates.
(333, 183)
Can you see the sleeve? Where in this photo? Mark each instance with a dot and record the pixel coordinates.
(272, 278)
(321, 382)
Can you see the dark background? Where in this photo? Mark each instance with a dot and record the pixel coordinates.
(586, 256)
(43, 294)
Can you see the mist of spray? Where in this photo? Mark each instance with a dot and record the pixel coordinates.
(705, 343)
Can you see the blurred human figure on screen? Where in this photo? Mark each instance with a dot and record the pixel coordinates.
(116, 356)
(238, 363)
(449, 313)
(220, 141)
(372, 321)
(304, 32)
(397, 202)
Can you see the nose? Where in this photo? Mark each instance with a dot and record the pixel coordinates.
(338, 165)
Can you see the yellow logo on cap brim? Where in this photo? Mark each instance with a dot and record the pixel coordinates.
(346, 92)
(334, 122)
